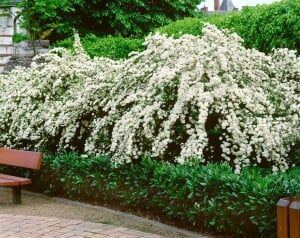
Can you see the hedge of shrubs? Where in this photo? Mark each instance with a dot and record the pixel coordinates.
(113, 47)
(263, 27)
(210, 197)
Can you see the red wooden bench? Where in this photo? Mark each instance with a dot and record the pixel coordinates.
(18, 158)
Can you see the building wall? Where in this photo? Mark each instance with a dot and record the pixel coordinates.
(15, 52)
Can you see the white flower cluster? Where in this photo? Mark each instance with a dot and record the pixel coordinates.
(164, 101)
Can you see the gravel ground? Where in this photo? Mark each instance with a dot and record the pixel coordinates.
(41, 205)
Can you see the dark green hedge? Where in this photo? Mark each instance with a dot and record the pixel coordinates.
(263, 27)
(209, 197)
(112, 47)
(116, 47)
(267, 26)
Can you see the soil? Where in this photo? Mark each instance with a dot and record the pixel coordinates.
(34, 204)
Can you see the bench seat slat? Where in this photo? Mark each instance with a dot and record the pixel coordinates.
(8, 183)
(9, 180)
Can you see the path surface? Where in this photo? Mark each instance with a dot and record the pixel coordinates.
(20, 226)
(43, 216)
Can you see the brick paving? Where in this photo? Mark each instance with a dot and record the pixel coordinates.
(20, 226)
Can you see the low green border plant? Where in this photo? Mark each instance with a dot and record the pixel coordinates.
(209, 197)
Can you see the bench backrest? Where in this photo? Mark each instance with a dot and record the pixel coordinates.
(21, 158)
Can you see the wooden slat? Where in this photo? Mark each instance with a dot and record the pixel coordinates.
(21, 158)
(19, 180)
(8, 183)
(294, 218)
(283, 217)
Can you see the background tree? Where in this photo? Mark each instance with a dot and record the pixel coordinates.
(121, 17)
(41, 17)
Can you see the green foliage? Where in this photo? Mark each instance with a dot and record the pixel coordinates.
(126, 17)
(263, 27)
(268, 26)
(42, 16)
(8, 3)
(210, 197)
(192, 26)
(295, 154)
(18, 37)
(113, 47)
(67, 43)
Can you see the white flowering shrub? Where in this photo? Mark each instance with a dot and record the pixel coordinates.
(194, 97)
(52, 103)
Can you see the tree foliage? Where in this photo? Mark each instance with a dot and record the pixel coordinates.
(125, 17)
(41, 17)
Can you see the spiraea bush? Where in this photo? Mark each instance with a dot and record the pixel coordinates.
(196, 97)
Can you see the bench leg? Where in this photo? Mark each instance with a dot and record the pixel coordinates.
(17, 195)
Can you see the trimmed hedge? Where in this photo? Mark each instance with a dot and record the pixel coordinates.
(263, 27)
(113, 47)
(192, 26)
(209, 197)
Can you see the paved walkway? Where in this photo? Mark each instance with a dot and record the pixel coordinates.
(20, 226)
